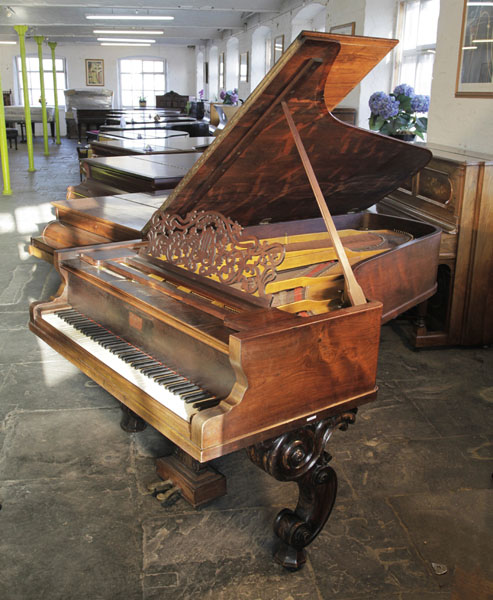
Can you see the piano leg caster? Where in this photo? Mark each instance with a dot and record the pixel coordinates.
(131, 422)
(300, 456)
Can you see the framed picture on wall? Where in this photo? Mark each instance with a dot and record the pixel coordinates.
(278, 47)
(346, 29)
(244, 66)
(475, 64)
(94, 71)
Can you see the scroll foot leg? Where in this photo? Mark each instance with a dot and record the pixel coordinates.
(300, 456)
(131, 422)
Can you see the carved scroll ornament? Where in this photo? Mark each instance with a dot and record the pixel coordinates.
(300, 456)
(212, 245)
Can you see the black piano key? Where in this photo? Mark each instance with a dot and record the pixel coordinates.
(164, 381)
(205, 403)
(181, 387)
(191, 398)
(114, 345)
(98, 334)
(128, 358)
(144, 362)
(159, 369)
(167, 378)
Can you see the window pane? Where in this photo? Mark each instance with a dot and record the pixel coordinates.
(148, 66)
(148, 82)
(428, 22)
(424, 72)
(159, 83)
(127, 98)
(32, 63)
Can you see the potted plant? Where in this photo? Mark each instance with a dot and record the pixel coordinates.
(228, 108)
(229, 97)
(396, 114)
(142, 101)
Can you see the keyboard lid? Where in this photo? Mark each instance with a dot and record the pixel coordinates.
(252, 172)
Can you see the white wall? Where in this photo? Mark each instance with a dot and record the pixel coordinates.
(180, 65)
(465, 123)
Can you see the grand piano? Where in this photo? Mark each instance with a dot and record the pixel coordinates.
(249, 315)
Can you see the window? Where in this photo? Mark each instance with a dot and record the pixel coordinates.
(232, 63)
(261, 51)
(221, 71)
(33, 82)
(418, 27)
(141, 77)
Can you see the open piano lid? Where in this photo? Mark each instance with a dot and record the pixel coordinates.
(253, 172)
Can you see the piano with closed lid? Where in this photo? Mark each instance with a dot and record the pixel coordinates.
(239, 321)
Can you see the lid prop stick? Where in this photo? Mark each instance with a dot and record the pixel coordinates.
(353, 288)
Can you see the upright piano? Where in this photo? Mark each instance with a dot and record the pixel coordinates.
(239, 321)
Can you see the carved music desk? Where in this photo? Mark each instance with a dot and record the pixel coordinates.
(243, 319)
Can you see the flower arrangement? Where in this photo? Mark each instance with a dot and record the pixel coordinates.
(201, 95)
(396, 113)
(229, 97)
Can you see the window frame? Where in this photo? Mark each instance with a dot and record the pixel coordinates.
(152, 103)
(48, 80)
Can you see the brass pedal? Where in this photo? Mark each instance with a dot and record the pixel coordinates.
(169, 497)
(157, 487)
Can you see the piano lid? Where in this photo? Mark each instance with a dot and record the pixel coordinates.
(253, 172)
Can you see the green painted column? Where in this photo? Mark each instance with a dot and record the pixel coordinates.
(39, 40)
(21, 30)
(4, 153)
(52, 45)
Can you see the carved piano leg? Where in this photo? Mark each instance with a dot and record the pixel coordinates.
(300, 456)
(130, 421)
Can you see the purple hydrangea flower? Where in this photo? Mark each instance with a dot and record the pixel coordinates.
(383, 105)
(222, 94)
(390, 108)
(403, 89)
(376, 100)
(420, 103)
(234, 98)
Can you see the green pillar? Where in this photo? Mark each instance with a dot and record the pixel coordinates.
(21, 30)
(52, 45)
(4, 153)
(39, 40)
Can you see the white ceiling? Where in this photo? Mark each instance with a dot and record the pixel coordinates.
(64, 21)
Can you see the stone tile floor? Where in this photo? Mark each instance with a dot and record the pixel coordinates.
(76, 521)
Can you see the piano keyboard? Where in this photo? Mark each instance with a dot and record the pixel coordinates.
(165, 385)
